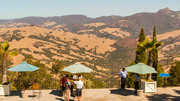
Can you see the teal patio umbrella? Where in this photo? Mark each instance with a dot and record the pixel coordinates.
(23, 67)
(77, 68)
(141, 68)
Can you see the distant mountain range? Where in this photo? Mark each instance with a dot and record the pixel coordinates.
(105, 43)
(165, 20)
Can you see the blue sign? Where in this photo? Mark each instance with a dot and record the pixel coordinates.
(164, 74)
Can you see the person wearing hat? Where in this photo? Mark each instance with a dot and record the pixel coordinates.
(123, 75)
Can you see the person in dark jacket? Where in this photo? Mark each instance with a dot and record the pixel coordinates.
(136, 83)
(72, 86)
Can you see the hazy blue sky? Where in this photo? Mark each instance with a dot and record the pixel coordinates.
(92, 8)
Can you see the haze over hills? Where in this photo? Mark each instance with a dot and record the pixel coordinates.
(105, 43)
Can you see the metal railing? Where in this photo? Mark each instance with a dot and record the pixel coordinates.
(97, 83)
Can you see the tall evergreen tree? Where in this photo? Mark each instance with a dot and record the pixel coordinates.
(142, 36)
(154, 35)
(155, 52)
(140, 51)
(152, 50)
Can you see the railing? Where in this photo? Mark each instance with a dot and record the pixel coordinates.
(106, 83)
(161, 82)
(44, 84)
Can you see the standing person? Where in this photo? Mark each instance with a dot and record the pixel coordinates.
(123, 75)
(136, 83)
(81, 78)
(67, 89)
(79, 84)
(63, 80)
(72, 86)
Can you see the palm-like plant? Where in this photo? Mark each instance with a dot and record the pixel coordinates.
(5, 53)
(152, 48)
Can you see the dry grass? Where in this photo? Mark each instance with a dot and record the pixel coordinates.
(170, 46)
(48, 23)
(102, 69)
(177, 59)
(164, 36)
(116, 31)
(14, 24)
(89, 30)
(95, 24)
(85, 40)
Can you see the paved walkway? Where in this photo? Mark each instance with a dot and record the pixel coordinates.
(162, 94)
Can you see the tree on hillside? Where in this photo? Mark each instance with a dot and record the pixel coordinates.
(175, 74)
(57, 66)
(160, 80)
(5, 53)
(140, 51)
(28, 58)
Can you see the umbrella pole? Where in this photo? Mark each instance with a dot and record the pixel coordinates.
(140, 83)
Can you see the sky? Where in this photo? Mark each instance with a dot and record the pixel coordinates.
(10, 9)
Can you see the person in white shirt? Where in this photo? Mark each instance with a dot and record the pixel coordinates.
(123, 75)
(79, 84)
(136, 83)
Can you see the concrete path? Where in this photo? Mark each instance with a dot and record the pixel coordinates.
(162, 94)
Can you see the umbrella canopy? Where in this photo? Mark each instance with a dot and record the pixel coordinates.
(23, 67)
(77, 68)
(141, 68)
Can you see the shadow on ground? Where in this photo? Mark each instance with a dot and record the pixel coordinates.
(177, 91)
(63, 99)
(15, 93)
(56, 93)
(18, 93)
(59, 94)
(163, 97)
(122, 92)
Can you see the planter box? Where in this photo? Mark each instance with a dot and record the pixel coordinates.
(5, 89)
(148, 86)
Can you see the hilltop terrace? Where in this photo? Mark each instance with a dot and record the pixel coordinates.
(162, 94)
